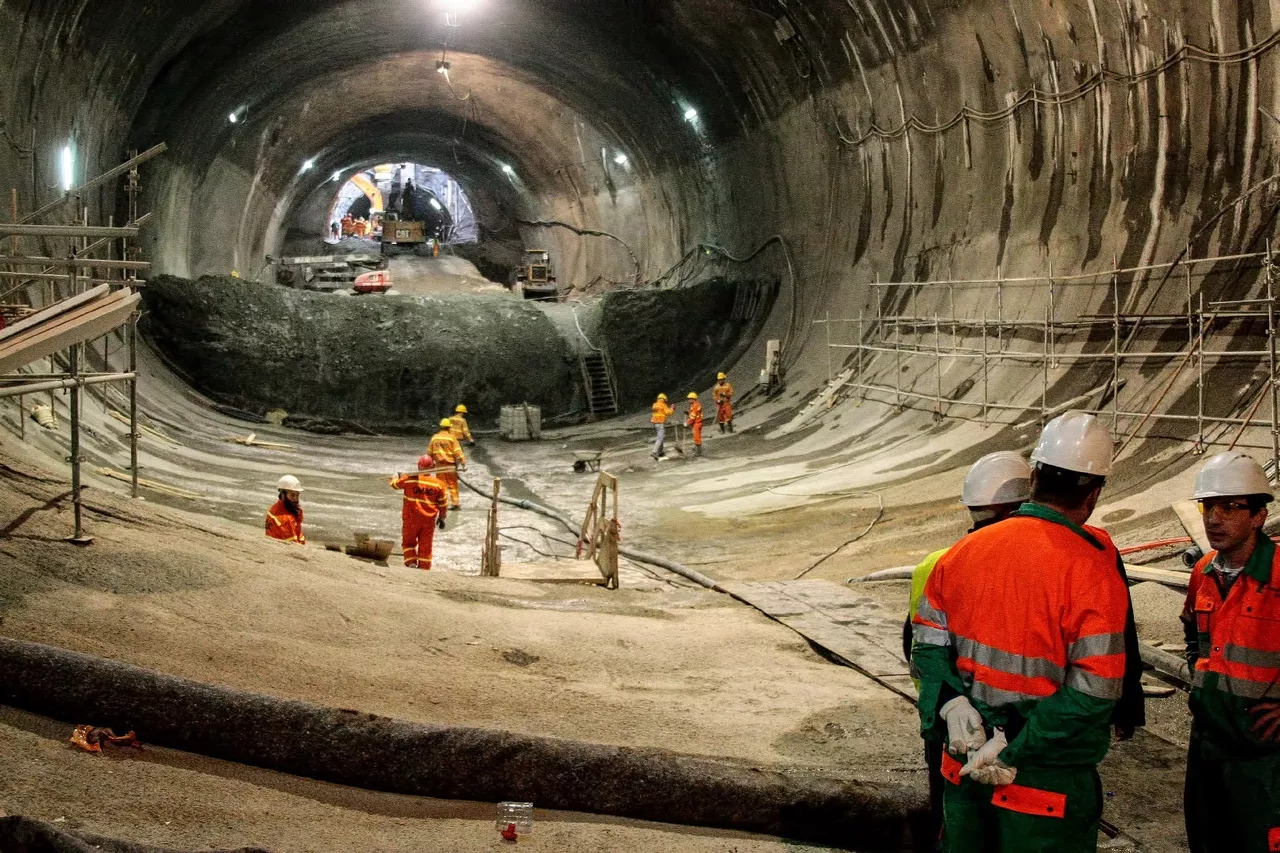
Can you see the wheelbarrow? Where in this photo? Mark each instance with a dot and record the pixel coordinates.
(586, 460)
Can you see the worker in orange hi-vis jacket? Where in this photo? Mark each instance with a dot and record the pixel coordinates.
(458, 425)
(447, 453)
(722, 393)
(425, 506)
(661, 411)
(284, 519)
(693, 420)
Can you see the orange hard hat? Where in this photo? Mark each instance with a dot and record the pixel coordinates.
(425, 461)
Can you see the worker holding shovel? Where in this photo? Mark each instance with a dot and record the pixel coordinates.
(425, 507)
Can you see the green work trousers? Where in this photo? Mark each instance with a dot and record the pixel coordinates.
(974, 824)
(1232, 805)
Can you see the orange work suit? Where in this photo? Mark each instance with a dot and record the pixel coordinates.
(458, 426)
(425, 500)
(722, 393)
(693, 420)
(447, 453)
(284, 525)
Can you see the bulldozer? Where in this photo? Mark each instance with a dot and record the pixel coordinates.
(536, 277)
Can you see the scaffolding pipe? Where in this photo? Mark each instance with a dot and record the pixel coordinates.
(19, 230)
(79, 262)
(74, 381)
(133, 404)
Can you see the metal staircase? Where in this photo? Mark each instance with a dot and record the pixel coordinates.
(597, 379)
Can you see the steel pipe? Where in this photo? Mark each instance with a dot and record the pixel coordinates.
(19, 230)
(70, 382)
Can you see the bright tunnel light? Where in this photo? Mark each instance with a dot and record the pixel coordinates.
(233, 118)
(620, 158)
(309, 165)
(508, 169)
(68, 169)
(690, 114)
(337, 176)
(434, 203)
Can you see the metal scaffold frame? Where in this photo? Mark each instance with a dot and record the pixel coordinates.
(68, 288)
(921, 335)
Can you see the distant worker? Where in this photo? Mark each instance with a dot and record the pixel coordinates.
(458, 426)
(406, 201)
(425, 506)
(1232, 624)
(447, 453)
(284, 519)
(1020, 650)
(722, 393)
(995, 486)
(661, 411)
(693, 420)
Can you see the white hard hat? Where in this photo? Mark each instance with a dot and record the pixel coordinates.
(1231, 474)
(1003, 477)
(1075, 441)
(289, 483)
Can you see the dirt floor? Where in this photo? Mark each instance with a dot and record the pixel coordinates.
(187, 585)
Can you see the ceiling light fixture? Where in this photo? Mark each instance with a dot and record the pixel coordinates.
(337, 176)
(434, 203)
(508, 169)
(68, 169)
(690, 114)
(233, 118)
(309, 165)
(620, 158)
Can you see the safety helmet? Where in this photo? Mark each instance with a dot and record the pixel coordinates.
(425, 461)
(719, 376)
(446, 423)
(1075, 441)
(289, 483)
(1003, 477)
(1232, 474)
(693, 395)
(662, 396)
(461, 409)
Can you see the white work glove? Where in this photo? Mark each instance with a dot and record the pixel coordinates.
(964, 726)
(985, 766)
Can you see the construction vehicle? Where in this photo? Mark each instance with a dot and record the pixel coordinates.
(373, 282)
(536, 277)
(401, 234)
(326, 273)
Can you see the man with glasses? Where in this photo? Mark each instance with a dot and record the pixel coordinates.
(1232, 624)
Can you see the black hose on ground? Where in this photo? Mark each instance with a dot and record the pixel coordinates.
(455, 762)
(630, 553)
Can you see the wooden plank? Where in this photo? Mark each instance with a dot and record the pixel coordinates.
(85, 327)
(44, 314)
(855, 629)
(55, 323)
(1189, 514)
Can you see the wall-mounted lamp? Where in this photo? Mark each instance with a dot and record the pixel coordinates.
(435, 204)
(620, 158)
(68, 169)
(690, 114)
(309, 165)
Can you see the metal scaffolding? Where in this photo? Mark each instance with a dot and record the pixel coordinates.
(1002, 338)
(70, 302)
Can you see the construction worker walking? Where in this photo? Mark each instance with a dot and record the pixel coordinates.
(424, 510)
(284, 519)
(458, 426)
(661, 411)
(693, 420)
(1232, 625)
(447, 453)
(722, 393)
(1020, 650)
(994, 488)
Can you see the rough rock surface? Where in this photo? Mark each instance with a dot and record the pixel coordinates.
(22, 835)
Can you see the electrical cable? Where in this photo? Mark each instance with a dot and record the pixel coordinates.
(847, 543)
(584, 232)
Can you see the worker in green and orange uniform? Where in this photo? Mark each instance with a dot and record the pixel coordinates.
(458, 426)
(284, 519)
(693, 420)
(722, 394)
(1232, 619)
(1020, 650)
(994, 488)
(424, 510)
(661, 411)
(447, 453)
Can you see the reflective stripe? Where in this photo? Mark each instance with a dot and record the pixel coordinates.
(1092, 684)
(1197, 680)
(422, 500)
(995, 696)
(1032, 801)
(951, 767)
(1251, 657)
(1008, 662)
(930, 635)
(1247, 688)
(926, 611)
(1096, 645)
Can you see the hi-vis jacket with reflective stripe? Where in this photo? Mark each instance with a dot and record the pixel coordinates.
(1027, 618)
(285, 525)
(1233, 647)
(445, 449)
(424, 495)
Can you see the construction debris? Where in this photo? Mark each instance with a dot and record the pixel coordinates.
(251, 440)
(147, 484)
(91, 738)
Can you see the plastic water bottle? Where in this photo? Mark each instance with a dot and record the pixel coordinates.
(514, 818)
